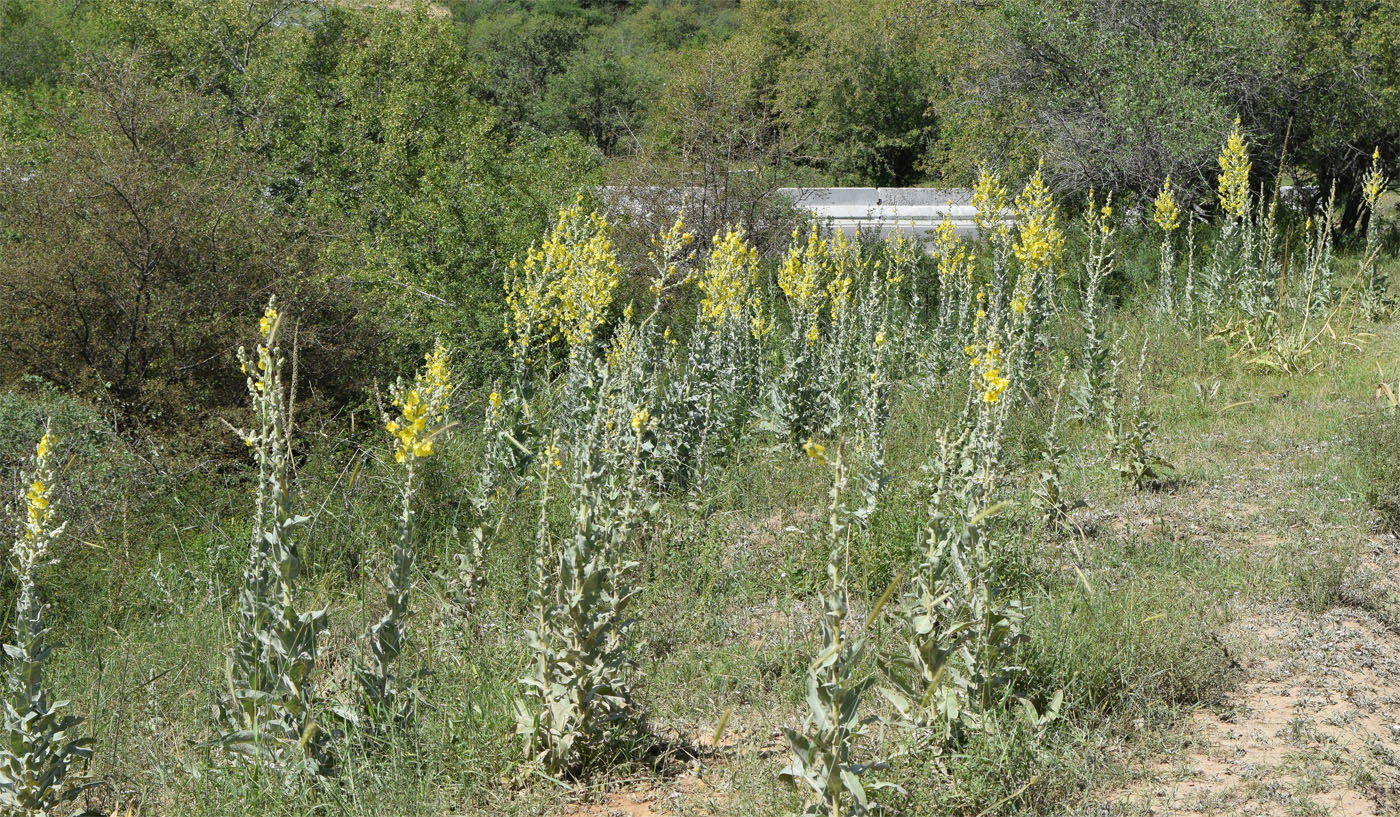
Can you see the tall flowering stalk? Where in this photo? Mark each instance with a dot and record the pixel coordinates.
(1089, 392)
(1167, 216)
(724, 360)
(38, 749)
(1038, 247)
(802, 277)
(822, 760)
(1230, 277)
(419, 422)
(1375, 284)
(563, 289)
(1233, 184)
(269, 716)
(576, 703)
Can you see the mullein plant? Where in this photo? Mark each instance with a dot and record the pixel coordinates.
(557, 298)
(1048, 491)
(801, 404)
(40, 745)
(1038, 248)
(917, 682)
(905, 305)
(986, 410)
(955, 266)
(1375, 297)
(1132, 438)
(1226, 273)
(822, 759)
(723, 374)
(418, 424)
(269, 715)
(1167, 216)
(1088, 392)
(576, 704)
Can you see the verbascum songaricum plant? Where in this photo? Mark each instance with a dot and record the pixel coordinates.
(1233, 184)
(38, 747)
(269, 715)
(576, 705)
(1167, 216)
(561, 292)
(822, 761)
(419, 423)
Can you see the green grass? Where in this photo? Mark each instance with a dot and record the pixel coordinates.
(1130, 621)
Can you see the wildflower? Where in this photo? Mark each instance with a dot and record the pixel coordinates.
(802, 268)
(495, 399)
(639, 419)
(1039, 241)
(727, 283)
(989, 198)
(952, 256)
(1234, 174)
(1374, 181)
(268, 323)
(880, 338)
(1166, 214)
(422, 403)
(815, 451)
(563, 289)
(1018, 305)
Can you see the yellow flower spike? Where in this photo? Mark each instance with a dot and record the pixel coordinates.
(815, 451)
(1165, 212)
(1234, 174)
(495, 399)
(639, 419)
(1374, 181)
(1039, 241)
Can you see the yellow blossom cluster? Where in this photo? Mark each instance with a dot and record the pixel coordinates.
(267, 324)
(839, 287)
(1039, 242)
(804, 266)
(989, 199)
(422, 407)
(1234, 174)
(671, 244)
(1165, 212)
(563, 289)
(951, 253)
(37, 501)
(727, 283)
(1374, 181)
(987, 363)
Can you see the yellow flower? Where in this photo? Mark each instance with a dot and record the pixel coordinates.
(640, 418)
(815, 451)
(424, 401)
(1166, 214)
(268, 322)
(803, 268)
(1039, 242)
(989, 199)
(1373, 182)
(1234, 174)
(564, 287)
(495, 399)
(728, 282)
(1018, 305)
(880, 338)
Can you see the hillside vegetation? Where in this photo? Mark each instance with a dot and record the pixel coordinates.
(366, 461)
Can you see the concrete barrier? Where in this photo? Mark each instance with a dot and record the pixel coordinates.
(912, 211)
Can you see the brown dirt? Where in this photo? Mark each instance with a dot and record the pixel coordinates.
(1313, 730)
